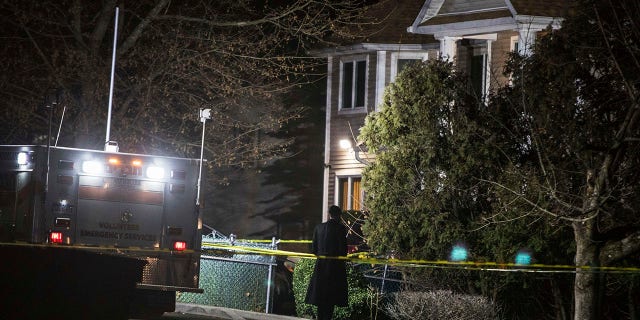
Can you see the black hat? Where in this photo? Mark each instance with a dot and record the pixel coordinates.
(335, 211)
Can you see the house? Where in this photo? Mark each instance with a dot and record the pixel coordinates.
(476, 35)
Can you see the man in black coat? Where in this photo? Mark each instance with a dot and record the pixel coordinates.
(328, 286)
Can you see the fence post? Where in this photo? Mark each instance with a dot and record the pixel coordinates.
(269, 277)
(384, 277)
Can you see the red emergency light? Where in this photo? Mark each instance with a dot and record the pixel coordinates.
(179, 245)
(55, 237)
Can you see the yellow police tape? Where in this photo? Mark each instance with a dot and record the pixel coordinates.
(467, 265)
(363, 258)
(270, 241)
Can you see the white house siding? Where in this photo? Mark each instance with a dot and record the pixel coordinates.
(345, 124)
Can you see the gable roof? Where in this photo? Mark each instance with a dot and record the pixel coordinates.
(465, 17)
(383, 27)
(389, 21)
(546, 8)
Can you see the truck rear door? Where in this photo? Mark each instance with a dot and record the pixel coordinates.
(120, 212)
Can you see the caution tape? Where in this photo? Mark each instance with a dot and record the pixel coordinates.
(270, 241)
(361, 258)
(443, 264)
(255, 250)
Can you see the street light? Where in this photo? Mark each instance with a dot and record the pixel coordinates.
(205, 114)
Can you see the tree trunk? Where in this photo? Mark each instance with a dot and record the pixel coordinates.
(559, 307)
(632, 304)
(585, 297)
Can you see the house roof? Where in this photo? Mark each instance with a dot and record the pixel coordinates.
(382, 27)
(546, 8)
(459, 17)
(390, 19)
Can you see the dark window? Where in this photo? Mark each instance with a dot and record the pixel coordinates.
(403, 63)
(477, 73)
(361, 76)
(353, 84)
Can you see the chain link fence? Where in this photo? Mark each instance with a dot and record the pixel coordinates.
(234, 280)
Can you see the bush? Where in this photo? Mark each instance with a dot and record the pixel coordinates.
(362, 298)
(441, 305)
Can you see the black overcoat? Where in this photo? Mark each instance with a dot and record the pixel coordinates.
(328, 285)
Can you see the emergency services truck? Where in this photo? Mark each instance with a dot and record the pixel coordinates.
(134, 205)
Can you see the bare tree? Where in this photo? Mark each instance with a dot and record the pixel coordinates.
(237, 57)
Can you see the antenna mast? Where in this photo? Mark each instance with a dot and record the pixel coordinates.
(113, 68)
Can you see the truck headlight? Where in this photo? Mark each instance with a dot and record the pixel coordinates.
(93, 167)
(22, 158)
(155, 172)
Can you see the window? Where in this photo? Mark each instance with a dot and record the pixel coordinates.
(401, 60)
(350, 193)
(353, 79)
(478, 73)
(514, 44)
(403, 63)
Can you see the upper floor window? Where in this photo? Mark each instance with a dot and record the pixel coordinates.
(514, 44)
(353, 76)
(478, 74)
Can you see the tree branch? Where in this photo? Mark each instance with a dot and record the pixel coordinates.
(615, 250)
(137, 32)
(76, 11)
(292, 9)
(537, 207)
(101, 26)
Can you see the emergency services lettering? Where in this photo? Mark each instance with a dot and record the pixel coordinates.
(119, 226)
(117, 235)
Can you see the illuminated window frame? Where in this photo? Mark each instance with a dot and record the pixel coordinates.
(356, 79)
(352, 197)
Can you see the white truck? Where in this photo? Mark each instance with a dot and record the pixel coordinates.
(137, 206)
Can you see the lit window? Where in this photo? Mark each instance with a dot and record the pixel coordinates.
(515, 44)
(353, 79)
(350, 193)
